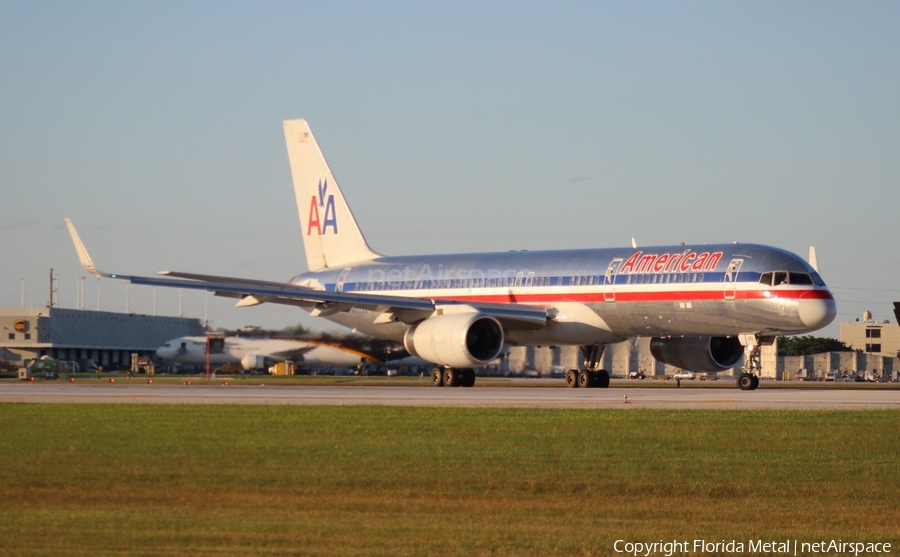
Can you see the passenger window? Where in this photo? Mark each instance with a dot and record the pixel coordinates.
(766, 278)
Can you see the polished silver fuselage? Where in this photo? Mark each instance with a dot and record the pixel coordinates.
(603, 295)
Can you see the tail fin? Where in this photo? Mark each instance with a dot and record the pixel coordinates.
(331, 236)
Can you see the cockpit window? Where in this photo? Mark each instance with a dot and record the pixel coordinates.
(777, 278)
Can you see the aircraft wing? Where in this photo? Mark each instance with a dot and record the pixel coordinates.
(319, 302)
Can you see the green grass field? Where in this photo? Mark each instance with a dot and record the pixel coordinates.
(290, 480)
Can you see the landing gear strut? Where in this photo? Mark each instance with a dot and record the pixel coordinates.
(590, 374)
(749, 379)
(452, 377)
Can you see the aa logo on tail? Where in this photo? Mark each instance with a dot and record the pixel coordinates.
(326, 202)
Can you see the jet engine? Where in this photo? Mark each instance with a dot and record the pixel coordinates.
(698, 353)
(459, 340)
(253, 361)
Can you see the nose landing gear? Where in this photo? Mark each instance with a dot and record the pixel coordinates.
(747, 382)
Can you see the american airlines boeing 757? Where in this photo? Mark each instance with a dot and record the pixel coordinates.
(700, 304)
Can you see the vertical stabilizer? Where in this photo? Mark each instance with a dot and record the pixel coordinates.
(331, 236)
(813, 260)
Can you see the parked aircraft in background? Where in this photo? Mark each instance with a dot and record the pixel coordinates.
(258, 353)
(696, 302)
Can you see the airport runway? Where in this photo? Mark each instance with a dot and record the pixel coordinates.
(478, 397)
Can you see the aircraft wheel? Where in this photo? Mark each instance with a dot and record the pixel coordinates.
(571, 378)
(585, 379)
(451, 377)
(745, 382)
(437, 377)
(603, 379)
(468, 377)
(755, 383)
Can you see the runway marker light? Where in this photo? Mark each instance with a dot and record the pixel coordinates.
(225, 384)
(626, 399)
(31, 379)
(112, 380)
(149, 381)
(71, 379)
(187, 383)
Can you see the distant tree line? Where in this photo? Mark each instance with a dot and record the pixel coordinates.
(808, 345)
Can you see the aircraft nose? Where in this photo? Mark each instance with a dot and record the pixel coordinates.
(817, 311)
(164, 352)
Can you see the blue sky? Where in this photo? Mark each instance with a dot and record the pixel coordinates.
(452, 127)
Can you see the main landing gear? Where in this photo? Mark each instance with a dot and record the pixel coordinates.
(590, 374)
(452, 377)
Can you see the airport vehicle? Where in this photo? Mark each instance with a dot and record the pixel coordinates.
(50, 368)
(685, 374)
(696, 302)
(257, 353)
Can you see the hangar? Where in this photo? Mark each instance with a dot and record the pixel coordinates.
(106, 338)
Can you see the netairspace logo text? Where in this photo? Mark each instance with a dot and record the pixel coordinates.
(769, 547)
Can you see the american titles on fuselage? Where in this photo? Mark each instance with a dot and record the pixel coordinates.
(684, 262)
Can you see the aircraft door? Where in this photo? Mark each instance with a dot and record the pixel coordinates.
(339, 287)
(524, 282)
(731, 275)
(609, 283)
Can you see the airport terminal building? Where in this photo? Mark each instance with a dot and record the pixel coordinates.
(108, 339)
(870, 337)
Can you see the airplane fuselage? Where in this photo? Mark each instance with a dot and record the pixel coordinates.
(234, 350)
(605, 295)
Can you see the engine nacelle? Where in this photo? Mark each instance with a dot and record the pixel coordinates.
(253, 361)
(456, 339)
(698, 353)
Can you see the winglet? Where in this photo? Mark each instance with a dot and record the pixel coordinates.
(83, 255)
